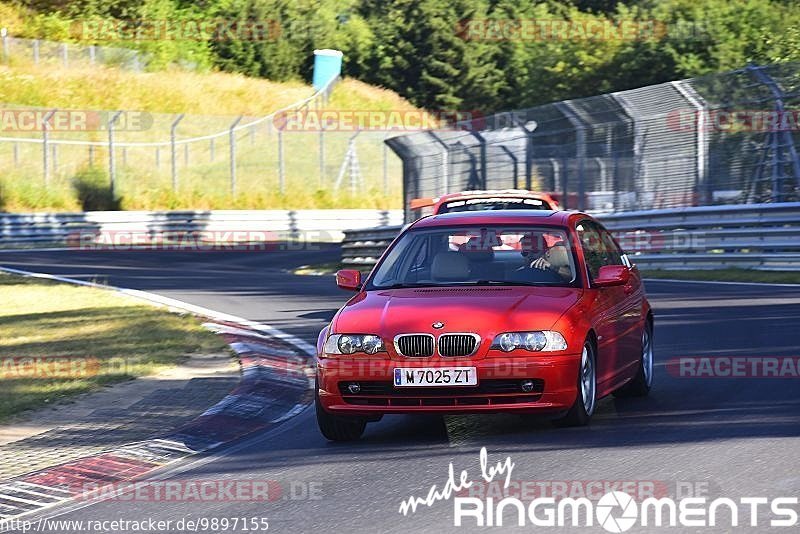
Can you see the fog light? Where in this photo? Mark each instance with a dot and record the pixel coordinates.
(353, 388)
(527, 386)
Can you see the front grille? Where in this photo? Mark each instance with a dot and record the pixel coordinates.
(457, 344)
(415, 345)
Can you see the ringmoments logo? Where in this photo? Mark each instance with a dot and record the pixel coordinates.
(615, 511)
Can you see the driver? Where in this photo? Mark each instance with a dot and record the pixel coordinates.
(555, 259)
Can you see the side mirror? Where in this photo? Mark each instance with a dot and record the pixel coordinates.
(349, 279)
(612, 275)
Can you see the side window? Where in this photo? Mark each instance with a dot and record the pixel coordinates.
(418, 262)
(613, 252)
(599, 247)
(592, 247)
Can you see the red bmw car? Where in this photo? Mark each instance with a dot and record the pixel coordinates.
(506, 311)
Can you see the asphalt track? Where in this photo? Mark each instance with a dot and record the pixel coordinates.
(724, 436)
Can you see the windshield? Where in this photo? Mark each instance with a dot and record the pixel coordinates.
(494, 203)
(492, 255)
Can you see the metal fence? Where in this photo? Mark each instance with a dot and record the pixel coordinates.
(207, 159)
(728, 138)
(69, 55)
(754, 236)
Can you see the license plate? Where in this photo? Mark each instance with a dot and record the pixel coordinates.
(435, 376)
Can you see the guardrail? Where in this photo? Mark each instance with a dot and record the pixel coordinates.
(755, 236)
(131, 227)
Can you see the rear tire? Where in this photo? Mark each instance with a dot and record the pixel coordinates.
(338, 427)
(643, 381)
(586, 400)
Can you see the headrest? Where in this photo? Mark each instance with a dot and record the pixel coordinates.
(558, 256)
(450, 266)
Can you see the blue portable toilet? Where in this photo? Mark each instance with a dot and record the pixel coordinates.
(327, 66)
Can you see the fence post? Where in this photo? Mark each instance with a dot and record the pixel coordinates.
(91, 155)
(281, 169)
(4, 35)
(158, 157)
(513, 157)
(484, 171)
(45, 158)
(36, 51)
(385, 167)
(172, 129)
(92, 54)
(64, 55)
(186, 155)
(211, 149)
(55, 157)
(232, 139)
(528, 149)
(445, 184)
(112, 171)
(16, 154)
(322, 155)
(580, 150)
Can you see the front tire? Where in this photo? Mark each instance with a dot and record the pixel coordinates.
(643, 381)
(586, 400)
(338, 427)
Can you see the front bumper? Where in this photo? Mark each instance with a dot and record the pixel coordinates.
(499, 386)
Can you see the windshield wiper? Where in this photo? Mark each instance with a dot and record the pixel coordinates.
(401, 285)
(508, 283)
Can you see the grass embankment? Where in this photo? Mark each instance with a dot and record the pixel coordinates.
(211, 101)
(59, 340)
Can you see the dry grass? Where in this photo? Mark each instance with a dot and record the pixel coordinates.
(210, 101)
(43, 319)
(175, 91)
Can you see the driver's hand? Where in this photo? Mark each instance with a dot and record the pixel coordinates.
(540, 263)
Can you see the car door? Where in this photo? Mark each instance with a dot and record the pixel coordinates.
(609, 309)
(632, 295)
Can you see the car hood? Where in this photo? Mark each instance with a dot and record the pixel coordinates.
(482, 310)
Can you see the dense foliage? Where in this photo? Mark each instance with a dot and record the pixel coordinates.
(444, 54)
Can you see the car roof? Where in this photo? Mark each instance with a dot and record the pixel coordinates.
(523, 193)
(509, 217)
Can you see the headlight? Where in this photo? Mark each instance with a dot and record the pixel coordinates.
(353, 343)
(540, 341)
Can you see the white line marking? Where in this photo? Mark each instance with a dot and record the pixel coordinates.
(39, 486)
(240, 347)
(170, 445)
(177, 304)
(12, 487)
(169, 471)
(20, 499)
(309, 349)
(53, 249)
